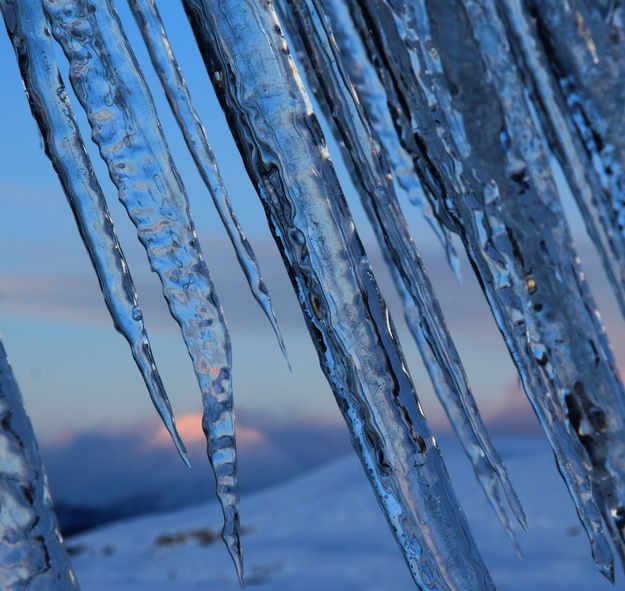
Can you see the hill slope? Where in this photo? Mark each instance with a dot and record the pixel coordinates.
(324, 532)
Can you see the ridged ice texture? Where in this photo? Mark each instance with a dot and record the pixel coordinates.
(286, 157)
(573, 53)
(164, 62)
(32, 555)
(50, 106)
(371, 174)
(124, 123)
(371, 89)
(478, 142)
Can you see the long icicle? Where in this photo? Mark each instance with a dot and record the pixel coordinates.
(50, 106)
(285, 154)
(171, 78)
(596, 405)
(507, 237)
(32, 555)
(371, 174)
(125, 126)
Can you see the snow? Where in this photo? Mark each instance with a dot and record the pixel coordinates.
(324, 532)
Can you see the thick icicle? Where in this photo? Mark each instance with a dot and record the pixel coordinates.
(50, 106)
(32, 555)
(111, 88)
(595, 403)
(164, 62)
(479, 144)
(285, 154)
(371, 173)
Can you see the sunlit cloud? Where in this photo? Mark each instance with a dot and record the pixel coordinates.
(190, 428)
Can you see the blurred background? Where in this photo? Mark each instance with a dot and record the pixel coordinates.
(105, 452)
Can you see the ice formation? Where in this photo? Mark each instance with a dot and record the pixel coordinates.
(462, 107)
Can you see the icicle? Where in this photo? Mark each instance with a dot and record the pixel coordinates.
(50, 106)
(153, 32)
(285, 154)
(371, 94)
(519, 242)
(595, 400)
(32, 555)
(109, 85)
(371, 173)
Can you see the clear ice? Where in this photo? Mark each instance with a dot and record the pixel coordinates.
(463, 113)
(153, 32)
(30, 36)
(371, 173)
(284, 150)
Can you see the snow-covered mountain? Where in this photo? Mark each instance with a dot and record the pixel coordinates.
(324, 532)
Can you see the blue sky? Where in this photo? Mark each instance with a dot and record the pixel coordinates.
(76, 372)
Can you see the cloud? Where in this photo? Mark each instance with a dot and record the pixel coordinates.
(190, 428)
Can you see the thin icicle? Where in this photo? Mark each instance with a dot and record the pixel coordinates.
(50, 106)
(125, 126)
(518, 242)
(284, 151)
(32, 555)
(371, 95)
(164, 62)
(371, 173)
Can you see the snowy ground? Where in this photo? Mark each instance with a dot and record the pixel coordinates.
(324, 532)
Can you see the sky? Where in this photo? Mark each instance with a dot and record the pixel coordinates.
(76, 372)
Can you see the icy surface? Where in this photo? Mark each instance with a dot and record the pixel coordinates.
(580, 94)
(324, 532)
(32, 556)
(461, 104)
(164, 62)
(462, 113)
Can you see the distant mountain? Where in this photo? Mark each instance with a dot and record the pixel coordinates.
(100, 477)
